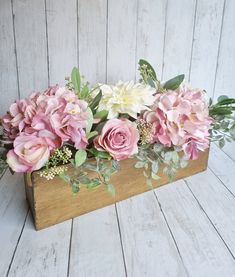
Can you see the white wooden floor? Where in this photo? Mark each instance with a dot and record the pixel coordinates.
(186, 228)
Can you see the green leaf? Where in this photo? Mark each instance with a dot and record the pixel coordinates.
(149, 183)
(145, 174)
(151, 83)
(90, 166)
(174, 83)
(221, 98)
(89, 121)
(75, 187)
(95, 102)
(92, 134)
(93, 183)
(84, 92)
(65, 177)
(157, 147)
(232, 131)
(155, 177)
(210, 101)
(175, 157)
(155, 167)
(139, 164)
(115, 164)
(183, 163)
(143, 62)
(80, 157)
(220, 111)
(226, 101)
(83, 179)
(102, 115)
(221, 143)
(100, 154)
(76, 79)
(111, 189)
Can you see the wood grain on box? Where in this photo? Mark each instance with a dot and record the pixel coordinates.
(52, 201)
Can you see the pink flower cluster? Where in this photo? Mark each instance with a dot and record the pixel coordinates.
(40, 124)
(180, 118)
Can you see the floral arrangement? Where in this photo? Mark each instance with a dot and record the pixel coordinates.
(93, 129)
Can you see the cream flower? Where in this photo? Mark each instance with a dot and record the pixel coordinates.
(128, 97)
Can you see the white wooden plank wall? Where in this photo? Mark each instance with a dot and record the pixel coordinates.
(40, 41)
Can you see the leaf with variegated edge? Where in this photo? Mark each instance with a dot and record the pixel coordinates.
(80, 157)
(89, 121)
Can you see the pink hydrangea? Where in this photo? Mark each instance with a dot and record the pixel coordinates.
(57, 111)
(119, 138)
(180, 118)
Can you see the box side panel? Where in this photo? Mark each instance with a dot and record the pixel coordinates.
(29, 194)
(54, 202)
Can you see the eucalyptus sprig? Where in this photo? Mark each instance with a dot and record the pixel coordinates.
(152, 156)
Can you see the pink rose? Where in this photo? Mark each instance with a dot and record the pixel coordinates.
(119, 138)
(31, 152)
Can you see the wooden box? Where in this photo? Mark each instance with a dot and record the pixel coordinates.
(52, 201)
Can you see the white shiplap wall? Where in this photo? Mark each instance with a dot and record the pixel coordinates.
(41, 40)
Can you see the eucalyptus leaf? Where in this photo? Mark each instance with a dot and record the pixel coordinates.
(111, 189)
(149, 183)
(174, 83)
(75, 187)
(115, 164)
(183, 163)
(221, 143)
(155, 167)
(80, 157)
(89, 121)
(65, 177)
(93, 183)
(232, 131)
(155, 177)
(139, 164)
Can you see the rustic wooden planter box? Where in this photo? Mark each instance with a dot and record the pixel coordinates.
(52, 201)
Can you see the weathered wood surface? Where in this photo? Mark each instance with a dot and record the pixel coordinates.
(53, 201)
(44, 255)
(61, 38)
(96, 246)
(8, 61)
(208, 23)
(178, 45)
(31, 45)
(13, 211)
(201, 248)
(187, 230)
(218, 204)
(146, 253)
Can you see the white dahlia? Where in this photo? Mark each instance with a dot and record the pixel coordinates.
(126, 98)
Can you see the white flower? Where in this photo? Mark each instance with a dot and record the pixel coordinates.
(128, 97)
